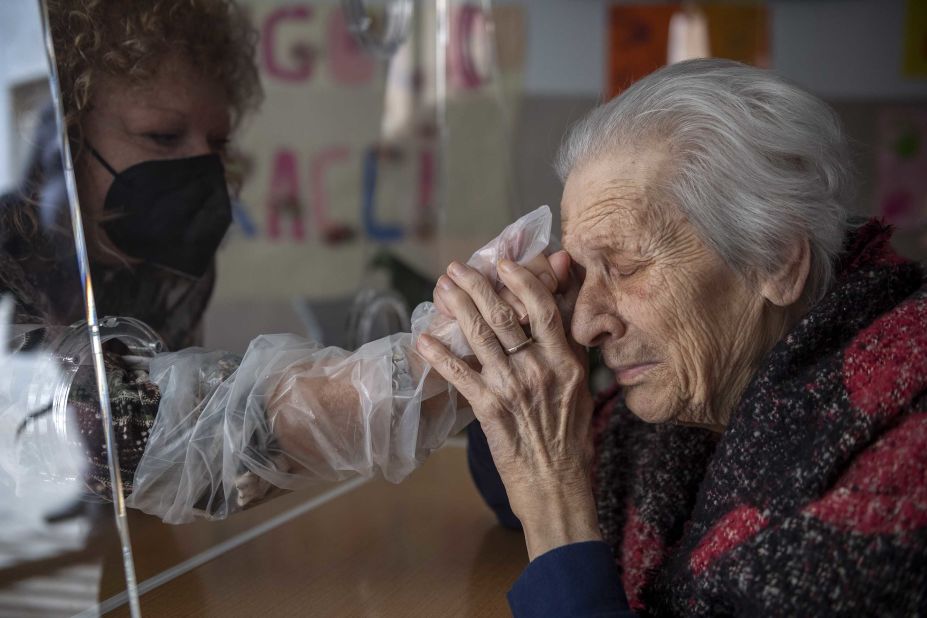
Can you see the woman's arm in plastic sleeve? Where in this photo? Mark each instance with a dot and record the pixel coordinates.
(293, 412)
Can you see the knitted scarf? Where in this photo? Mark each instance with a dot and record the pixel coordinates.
(814, 499)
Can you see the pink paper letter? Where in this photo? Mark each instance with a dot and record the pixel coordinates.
(301, 52)
(284, 195)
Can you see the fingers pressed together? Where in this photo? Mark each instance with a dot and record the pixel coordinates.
(491, 323)
(553, 271)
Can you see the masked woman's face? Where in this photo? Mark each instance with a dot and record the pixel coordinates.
(177, 114)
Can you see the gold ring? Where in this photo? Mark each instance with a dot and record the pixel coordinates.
(520, 346)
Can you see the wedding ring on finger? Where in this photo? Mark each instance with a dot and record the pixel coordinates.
(519, 346)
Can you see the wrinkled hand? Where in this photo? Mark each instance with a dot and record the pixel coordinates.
(553, 271)
(534, 404)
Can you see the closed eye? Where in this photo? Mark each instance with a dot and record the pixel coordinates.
(623, 271)
(628, 273)
(163, 139)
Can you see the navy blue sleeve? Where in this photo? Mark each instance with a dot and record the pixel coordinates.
(580, 579)
(487, 478)
(576, 580)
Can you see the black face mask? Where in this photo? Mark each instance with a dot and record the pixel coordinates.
(172, 212)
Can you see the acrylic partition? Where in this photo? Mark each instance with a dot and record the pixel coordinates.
(311, 173)
(63, 546)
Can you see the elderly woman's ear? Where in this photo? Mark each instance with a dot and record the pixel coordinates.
(785, 286)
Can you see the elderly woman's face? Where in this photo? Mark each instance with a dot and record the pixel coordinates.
(680, 329)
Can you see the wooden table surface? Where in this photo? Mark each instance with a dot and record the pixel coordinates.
(425, 547)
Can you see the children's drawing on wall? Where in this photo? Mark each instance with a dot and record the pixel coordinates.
(902, 161)
(645, 37)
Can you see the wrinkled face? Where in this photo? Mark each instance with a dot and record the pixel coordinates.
(680, 329)
(177, 114)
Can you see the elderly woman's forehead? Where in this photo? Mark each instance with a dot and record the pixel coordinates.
(622, 173)
(619, 205)
(622, 223)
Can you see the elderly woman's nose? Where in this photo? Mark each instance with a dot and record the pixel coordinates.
(592, 322)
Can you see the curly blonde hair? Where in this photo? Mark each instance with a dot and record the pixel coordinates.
(129, 39)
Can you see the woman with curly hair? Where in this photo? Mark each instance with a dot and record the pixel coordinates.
(150, 99)
(152, 91)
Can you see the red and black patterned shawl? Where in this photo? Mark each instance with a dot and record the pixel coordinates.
(814, 499)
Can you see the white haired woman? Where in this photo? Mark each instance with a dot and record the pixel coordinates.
(764, 451)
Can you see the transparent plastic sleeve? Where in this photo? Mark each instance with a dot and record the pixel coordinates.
(229, 432)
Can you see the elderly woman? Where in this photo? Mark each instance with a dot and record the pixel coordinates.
(764, 450)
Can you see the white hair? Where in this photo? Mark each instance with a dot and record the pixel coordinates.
(754, 161)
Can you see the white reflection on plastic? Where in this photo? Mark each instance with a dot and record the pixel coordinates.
(293, 412)
(40, 474)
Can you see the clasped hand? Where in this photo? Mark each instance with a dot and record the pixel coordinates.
(534, 404)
